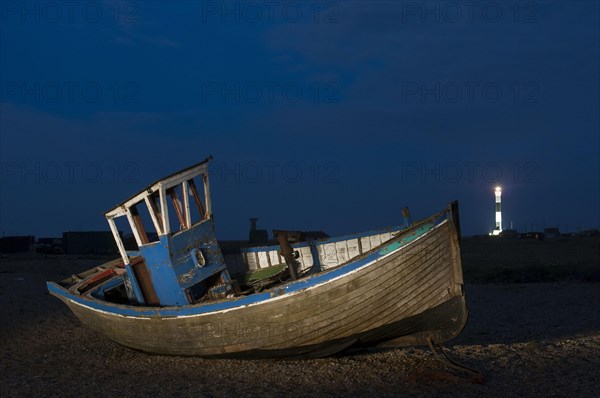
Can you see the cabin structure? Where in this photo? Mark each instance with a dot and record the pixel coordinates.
(184, 262)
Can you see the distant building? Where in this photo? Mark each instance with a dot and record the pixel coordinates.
(551, 233)
(16, 244)
(49, 245)
(590, 232)
(89, 242)
(131, 244)
(509, 233)
(532, 235)
(257, 236)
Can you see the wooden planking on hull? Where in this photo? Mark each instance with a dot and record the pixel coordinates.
(275, 340)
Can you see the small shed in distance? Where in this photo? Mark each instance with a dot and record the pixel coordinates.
(16, 244)
(89, 242)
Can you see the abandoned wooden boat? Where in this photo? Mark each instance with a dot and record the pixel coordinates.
(175, 294)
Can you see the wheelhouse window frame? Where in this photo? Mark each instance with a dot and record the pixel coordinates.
(156, 198)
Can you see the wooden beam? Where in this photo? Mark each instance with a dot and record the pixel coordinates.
(197, 199)
(136, 234)
(177, 205)
(137, 219)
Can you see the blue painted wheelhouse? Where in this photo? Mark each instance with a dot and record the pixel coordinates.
(183, 262)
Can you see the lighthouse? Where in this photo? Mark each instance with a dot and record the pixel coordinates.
(498, 228)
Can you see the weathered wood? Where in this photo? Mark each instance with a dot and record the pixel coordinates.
(287, 252)
(177, 206)
(415, 291)
(137, 219)
(143, 279)
(197, 199)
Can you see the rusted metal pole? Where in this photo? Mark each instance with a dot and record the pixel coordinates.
(287, 252)
(406, 216)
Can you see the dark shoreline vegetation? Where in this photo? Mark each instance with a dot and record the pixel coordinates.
(504, 260)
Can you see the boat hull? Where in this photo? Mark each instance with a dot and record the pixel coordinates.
(408, 290)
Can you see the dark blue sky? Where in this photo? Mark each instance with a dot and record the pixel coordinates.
(320, 115)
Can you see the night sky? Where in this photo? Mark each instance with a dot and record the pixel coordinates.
(319, 115)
